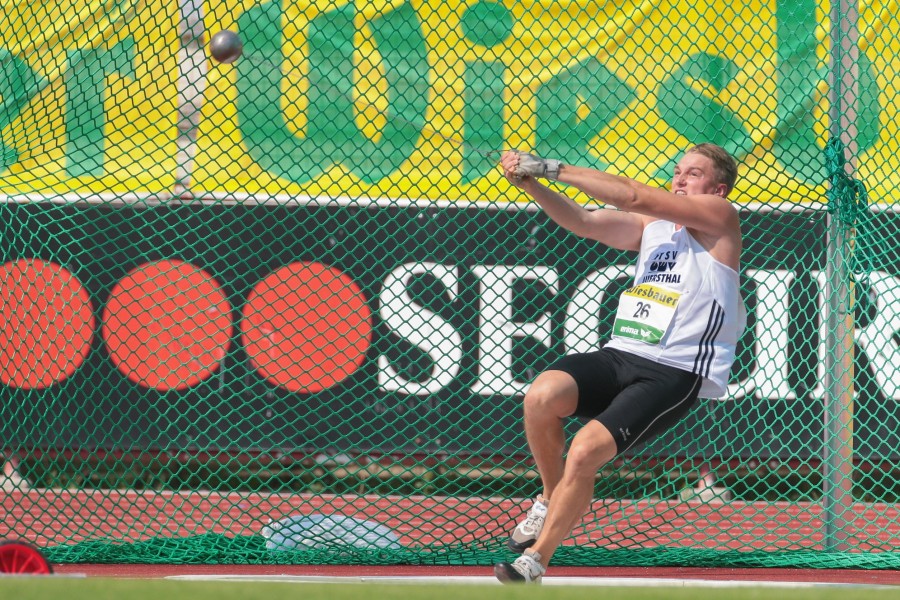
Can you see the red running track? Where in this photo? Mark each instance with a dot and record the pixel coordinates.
(837, 576)
(53, 517)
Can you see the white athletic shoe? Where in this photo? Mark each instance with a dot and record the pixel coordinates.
(525, 569)
(526, 533)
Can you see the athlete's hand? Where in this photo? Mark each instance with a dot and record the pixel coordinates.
(522, 164)
(509, 162)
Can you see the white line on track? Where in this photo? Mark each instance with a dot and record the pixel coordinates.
(553, 581)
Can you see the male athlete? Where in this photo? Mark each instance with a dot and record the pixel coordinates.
(673, 338)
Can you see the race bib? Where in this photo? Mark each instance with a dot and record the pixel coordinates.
(645, 313)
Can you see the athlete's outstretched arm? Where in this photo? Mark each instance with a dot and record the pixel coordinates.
(706, 212)
(614, 228)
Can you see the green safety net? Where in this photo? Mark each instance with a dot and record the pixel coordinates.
(285, 309)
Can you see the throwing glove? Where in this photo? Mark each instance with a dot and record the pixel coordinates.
(535, 166)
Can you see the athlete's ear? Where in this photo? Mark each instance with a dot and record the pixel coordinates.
(722, 190)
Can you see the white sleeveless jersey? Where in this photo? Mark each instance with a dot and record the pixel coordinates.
(685, 309)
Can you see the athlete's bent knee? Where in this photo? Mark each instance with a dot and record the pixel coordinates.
(552, 393)
(590, 450)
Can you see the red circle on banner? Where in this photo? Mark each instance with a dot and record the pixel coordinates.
(306, 327)
(48, 323)
(167, 325)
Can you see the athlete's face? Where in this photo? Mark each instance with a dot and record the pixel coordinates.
(696, 174)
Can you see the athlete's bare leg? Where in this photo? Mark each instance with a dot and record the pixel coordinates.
(592, 447)
(551, 398)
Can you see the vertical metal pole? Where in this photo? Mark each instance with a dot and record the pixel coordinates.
(191, 86)
(837, 492)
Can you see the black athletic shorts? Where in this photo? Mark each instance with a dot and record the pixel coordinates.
(635, 398)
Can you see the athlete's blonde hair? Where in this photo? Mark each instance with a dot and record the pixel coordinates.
(725, 165)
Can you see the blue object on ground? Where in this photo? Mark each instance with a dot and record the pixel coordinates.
(303, 532)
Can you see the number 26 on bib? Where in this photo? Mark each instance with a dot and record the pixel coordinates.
(645, 313)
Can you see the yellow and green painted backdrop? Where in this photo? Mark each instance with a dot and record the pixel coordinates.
(409, 99)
